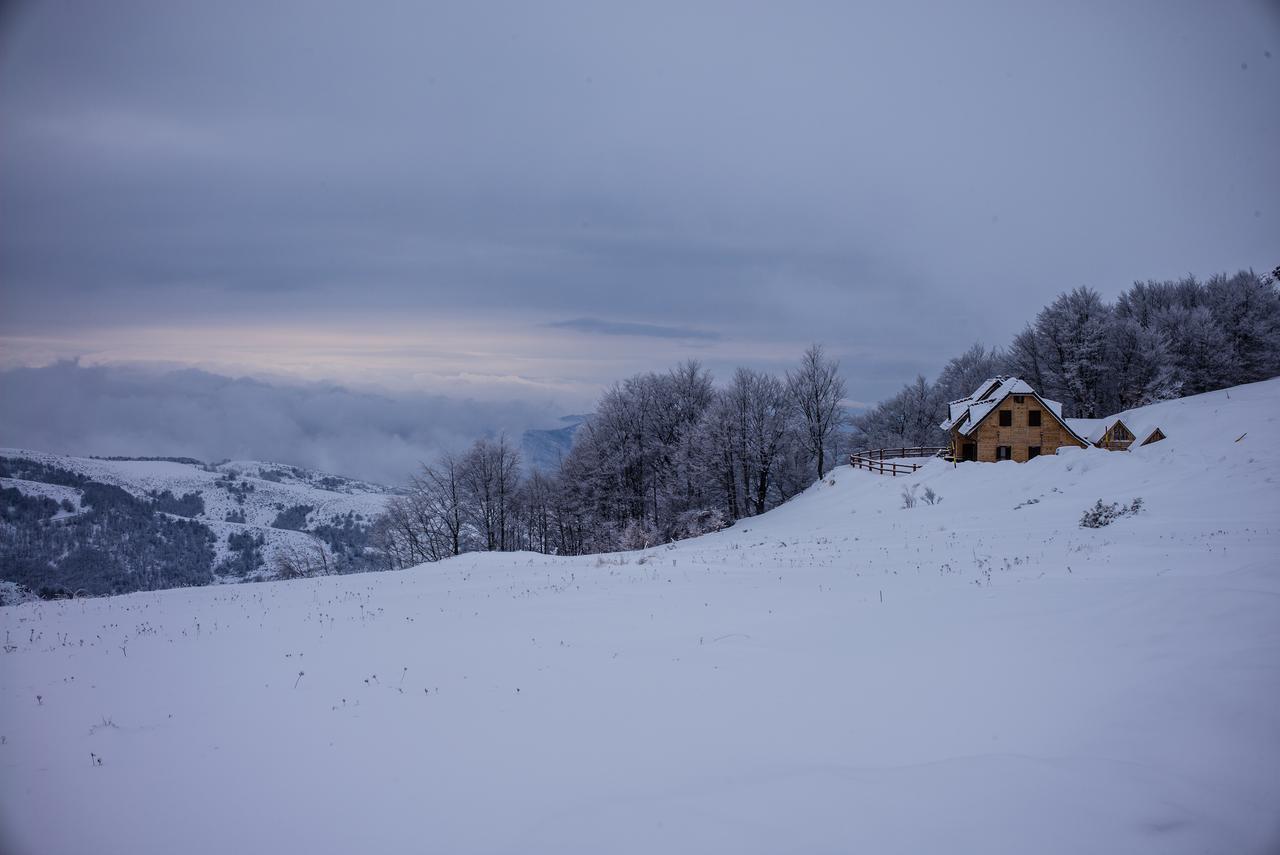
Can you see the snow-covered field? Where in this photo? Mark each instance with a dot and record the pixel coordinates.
(843, 674)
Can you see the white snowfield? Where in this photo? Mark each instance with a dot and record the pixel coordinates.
(842, 674)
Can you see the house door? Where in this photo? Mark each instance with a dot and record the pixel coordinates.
(969, 451)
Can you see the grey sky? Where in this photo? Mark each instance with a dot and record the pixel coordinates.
(528, 200)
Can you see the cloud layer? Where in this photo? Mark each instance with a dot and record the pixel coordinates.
(601, 327)
(116, 410)
(894, 180)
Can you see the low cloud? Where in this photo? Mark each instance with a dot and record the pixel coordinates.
(602, 327)
(125, 410)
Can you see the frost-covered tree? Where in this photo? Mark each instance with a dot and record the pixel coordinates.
(1025, 359)
(489, 478)
(1200, 350)
(963, 373)
(1247, 309)
(761, 411)
(1141, 371)
(439, 492)
(1072, 335)
(815, 390)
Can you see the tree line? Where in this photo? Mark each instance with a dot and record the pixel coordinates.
(672, 455)
(665, 456)
(1158, 340)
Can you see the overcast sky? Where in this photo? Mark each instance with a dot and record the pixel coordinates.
(526, 201)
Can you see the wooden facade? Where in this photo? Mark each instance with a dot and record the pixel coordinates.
(1010, 432)
(1114, 434)
(1117, 437)
(1155, 436)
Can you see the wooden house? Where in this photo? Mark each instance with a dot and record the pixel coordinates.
(1005, 419)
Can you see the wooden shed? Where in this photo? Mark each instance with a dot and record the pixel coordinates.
(1005, 419)
(1110, 433)
(1115, 434)
(1152, 435)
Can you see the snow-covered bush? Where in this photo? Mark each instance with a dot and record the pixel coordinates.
(11, 593)
(639, 535)
(1104, 514)
(930, 496)
(698, 521)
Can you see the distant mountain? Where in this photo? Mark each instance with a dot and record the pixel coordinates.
(543, 449)
(112, 525)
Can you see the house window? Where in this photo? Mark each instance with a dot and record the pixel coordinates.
(1033, 451)
(1033, 418)
(1006, 418)
(1017, 399)
(1004, 452)
(969, 451)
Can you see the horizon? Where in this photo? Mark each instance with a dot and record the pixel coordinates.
(512, 212)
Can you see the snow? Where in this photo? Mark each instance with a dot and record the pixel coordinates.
(1141, 422)
(1091, 429)
(330, 497)
(841, 674)
(56, 492)
(299, 487)
(966, 413)
(985, 397)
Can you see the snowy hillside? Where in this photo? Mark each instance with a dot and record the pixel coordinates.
(842, 674)
(269, 501)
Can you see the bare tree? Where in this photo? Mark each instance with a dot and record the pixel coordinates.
(489, 476)
(298, 562)
(760, 409)
(440, 492)
(816, 390)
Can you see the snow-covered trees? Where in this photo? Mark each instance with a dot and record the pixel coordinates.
(665, 456)
(455, 505)
(1157, 341)
(1207, 335)
(489, 477)
(1072, 336)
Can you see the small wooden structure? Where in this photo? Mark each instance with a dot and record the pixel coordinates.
(1153, 435)
(1114, 434)
(1005, 419)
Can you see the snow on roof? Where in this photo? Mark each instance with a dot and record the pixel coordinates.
(965, 413)
(1143, 432)
(1095, 429)
(1091, 429)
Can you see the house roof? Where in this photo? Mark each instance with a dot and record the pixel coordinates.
(1095, 429)
(965, 414)
(1092, 429)
(1143, 432)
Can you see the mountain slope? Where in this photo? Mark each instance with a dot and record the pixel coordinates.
(245, 506)
(841, 674)
(542, 450)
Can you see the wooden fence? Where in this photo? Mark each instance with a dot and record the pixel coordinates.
(874, 460)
